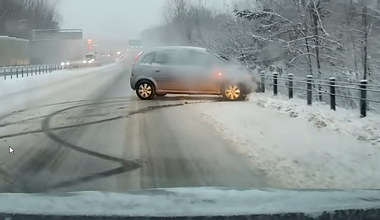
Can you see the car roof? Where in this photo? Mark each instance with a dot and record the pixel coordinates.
(188, 48)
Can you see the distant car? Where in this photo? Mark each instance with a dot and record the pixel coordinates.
(188, 70)
(89, 59)
(65, 64)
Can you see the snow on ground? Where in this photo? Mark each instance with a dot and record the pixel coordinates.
(299, 146)
(189, 202)
(17, 92)
(343, 120)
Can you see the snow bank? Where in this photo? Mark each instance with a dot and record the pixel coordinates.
(298, 146)
(189, 202)
(342, 120)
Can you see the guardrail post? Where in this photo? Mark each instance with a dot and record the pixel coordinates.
(332, 94)
(22, 72)
(275, 84)
(363, 98)
(10, 71)
(290, 85)
(309, 85)
(16, 72)
(262, 81)
(5, 73)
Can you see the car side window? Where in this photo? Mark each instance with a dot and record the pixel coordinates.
(164, 57)
(170, 57)
(148, 59)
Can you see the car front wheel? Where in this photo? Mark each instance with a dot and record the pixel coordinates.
(145, 90)
(233, 92)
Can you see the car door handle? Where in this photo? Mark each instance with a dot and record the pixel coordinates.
(157, 71)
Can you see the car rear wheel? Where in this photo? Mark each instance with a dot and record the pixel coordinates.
(145, 90)
(233, 92)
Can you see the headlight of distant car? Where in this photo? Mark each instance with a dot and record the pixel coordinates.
(84, 61)
(63, 63)
(67, 63)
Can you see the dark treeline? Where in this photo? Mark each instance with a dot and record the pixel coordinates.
(19, 17)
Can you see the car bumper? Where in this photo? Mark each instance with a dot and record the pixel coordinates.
(132, 82)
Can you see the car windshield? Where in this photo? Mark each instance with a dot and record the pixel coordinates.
(121, 95)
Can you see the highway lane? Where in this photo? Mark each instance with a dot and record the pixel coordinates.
(91, 133)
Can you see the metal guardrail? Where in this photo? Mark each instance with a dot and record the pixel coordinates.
(12, 72)
(321, 90)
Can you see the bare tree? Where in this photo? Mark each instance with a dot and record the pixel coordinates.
(175, 9)
(19, 17)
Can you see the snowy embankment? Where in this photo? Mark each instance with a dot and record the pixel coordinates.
(298, 146)
(19, 93)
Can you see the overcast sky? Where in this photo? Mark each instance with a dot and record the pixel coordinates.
(117, 20)
(111, 19)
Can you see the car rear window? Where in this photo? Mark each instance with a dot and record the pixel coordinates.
(149, 58)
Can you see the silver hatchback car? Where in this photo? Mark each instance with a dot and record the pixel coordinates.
(188, 70)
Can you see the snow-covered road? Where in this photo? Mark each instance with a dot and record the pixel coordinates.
(76, 130)
(85, 130)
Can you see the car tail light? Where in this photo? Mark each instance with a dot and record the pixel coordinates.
(137, 57)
